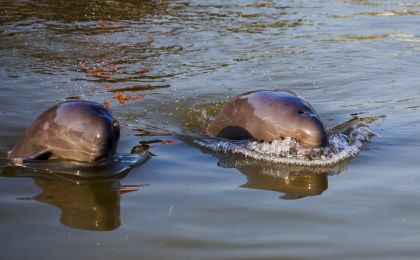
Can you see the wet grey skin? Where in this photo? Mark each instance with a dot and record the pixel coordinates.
(76, 130)
(269, 116)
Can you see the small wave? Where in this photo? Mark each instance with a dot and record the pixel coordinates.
(118, 165)
(341, 147)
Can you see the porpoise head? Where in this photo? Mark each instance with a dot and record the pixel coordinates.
(290, 115)
(77, 130)
(269, 116)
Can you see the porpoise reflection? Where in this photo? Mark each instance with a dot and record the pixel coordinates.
(76, 130)
(84, 204)
(93, 205)
(268, 116)
(293, 185)
(295, 182)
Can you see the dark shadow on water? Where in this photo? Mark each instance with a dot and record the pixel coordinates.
(88, 204)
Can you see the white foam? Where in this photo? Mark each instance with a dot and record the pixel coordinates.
(340, 147)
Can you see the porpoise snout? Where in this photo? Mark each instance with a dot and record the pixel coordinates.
(313, 132)
(106, 135)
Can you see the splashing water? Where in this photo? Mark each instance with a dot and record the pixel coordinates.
(341, 146)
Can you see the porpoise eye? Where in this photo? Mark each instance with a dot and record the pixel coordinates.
(301, 112)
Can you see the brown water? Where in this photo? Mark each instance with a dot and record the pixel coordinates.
(164, 59)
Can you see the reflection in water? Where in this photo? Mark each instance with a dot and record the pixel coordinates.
(84, 204)
(93, 206)
(295, 182)
(293, 185)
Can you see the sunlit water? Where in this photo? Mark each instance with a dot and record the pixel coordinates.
(155, 64)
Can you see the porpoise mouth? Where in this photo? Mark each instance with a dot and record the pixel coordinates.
(314, 138)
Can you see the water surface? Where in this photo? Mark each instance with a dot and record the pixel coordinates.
(155, 64)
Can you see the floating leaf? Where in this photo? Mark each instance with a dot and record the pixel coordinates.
(139, 88)
(170, 141)
(144, 70)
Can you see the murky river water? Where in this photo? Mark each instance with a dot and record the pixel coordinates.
(160, 66)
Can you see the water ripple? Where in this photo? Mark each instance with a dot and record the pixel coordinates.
(341, 147)
(120, 164)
